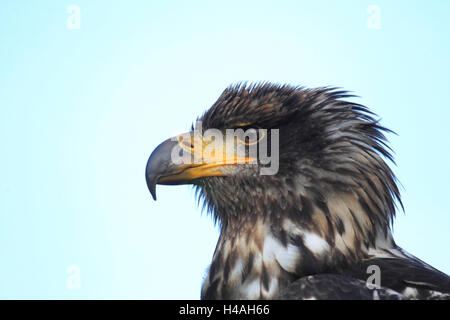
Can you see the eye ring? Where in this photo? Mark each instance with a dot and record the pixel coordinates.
(259, 133)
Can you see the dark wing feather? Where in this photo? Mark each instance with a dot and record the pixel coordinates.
(335, 287)
(409, 276)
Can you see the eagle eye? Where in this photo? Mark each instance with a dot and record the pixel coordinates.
(250, 135)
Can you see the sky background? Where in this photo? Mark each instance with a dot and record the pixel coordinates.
(83, 102)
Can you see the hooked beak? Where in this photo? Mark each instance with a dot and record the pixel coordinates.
(159, 164)
(166, 166)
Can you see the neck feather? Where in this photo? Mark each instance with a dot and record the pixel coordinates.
(258, 255)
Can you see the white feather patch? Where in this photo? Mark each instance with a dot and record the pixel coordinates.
(252, 290)
(410, 292)
(315, 243)
(286, 256)
(237, 270)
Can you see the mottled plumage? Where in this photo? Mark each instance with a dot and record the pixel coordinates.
(323, 219)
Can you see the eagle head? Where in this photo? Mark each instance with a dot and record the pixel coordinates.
(295, 177)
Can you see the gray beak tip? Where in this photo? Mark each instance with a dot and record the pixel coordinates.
(151, 184)
(159, 164)
(153, 192)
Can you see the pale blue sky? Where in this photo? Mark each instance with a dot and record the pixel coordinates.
(81, 110)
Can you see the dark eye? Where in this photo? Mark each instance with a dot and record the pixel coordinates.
(250, 136)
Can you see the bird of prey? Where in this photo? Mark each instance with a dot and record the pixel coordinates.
(318, 226)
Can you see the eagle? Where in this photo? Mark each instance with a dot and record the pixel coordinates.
(317, 223)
